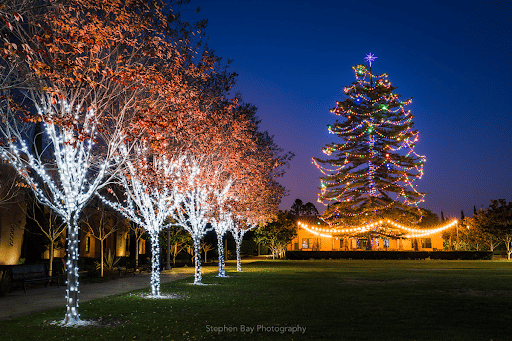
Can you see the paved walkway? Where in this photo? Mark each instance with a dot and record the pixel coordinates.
(18, 303)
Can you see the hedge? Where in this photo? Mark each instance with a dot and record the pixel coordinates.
(464, 255)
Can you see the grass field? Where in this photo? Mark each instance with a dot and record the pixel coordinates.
(298, 300)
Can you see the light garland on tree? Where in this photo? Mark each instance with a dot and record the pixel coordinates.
(221, 226)
(191, 216)
(412, 232)
(238, 234)
(197, 195)
(70, 178)
(221, 223)
(149, 206)
(377, 122)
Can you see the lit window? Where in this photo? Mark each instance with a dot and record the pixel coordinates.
(88, 244)
(127, 247)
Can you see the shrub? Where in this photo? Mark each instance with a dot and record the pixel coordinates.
(5, 280)
(463, 255)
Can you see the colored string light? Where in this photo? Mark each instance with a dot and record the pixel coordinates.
(372, 113)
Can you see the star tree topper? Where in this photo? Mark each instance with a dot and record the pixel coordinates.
(370, 58)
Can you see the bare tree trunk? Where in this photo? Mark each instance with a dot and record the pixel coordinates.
(101, 255)
(174, 255)
(168, 267)
(136, 252)
(50, 267)
(457, 246)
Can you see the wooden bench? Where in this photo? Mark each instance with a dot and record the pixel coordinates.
(133, 270)
(145, 268)
(126, 270)
(30, 273)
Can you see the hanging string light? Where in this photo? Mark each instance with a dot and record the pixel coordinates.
(407, 232)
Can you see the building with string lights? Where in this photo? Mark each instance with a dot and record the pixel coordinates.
(386, 235)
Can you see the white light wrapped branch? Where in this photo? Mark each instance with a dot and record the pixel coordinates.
(238, 234)
(197, 198)
(222, 222)
(63, 176)
(146, 205)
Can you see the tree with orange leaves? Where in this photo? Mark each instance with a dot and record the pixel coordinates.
(89, 62)
(148, 203)
(205, 127)
(254, 194)
(16, 20)
(259, 194)
(204, 184)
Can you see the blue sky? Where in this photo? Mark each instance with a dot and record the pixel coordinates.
(452, 57)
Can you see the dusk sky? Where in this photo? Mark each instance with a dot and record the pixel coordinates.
(452, 57)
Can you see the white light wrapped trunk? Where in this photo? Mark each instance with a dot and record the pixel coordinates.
(238, 234)
(64, 178)
(149, 206)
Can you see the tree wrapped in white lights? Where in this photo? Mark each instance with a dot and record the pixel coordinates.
(150, 198)
(238, 233)
(200, 187)
(222, 223)
(258, 199)
(257, 192)
(79, 65)
(65, 176)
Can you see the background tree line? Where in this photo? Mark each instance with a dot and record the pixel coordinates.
(488, 229)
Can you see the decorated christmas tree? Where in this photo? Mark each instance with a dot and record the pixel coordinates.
(371, 171)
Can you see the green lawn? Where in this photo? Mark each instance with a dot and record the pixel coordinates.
(332, 300)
